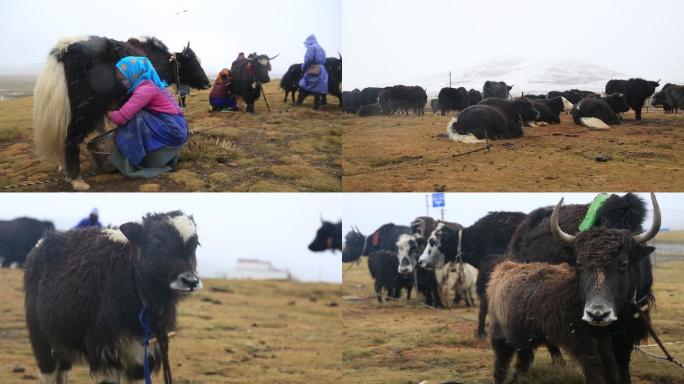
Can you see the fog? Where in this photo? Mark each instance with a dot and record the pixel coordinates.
(217, 29)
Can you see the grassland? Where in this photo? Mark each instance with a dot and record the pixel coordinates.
(413, 154)
(287, 149)
(408, 343)
(230, 332)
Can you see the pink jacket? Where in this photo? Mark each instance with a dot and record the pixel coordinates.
(149, 97)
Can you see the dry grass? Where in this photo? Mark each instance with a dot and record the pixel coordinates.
(670, 237)
(288, 149)
(643, 157)
(230, 332)
(400, 342)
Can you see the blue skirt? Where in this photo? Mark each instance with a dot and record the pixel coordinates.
(149, 144)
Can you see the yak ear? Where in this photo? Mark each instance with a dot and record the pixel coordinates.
(132, 231)
(188, 46)
(641, 252)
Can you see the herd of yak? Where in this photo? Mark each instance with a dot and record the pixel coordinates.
(493, 114)
(541, 280)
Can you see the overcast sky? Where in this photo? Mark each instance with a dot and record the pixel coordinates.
(268, 226)
(389, 40)
(217, 29)
(369, 211)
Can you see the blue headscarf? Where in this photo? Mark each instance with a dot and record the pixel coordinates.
(138, 69)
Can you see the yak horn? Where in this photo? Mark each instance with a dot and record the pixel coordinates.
(339, 54)
(655, 226)
(271, 58)
(555, 227)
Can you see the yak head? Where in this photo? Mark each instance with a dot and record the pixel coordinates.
(334, 67)
(409, 248)
(167, 243)
(325, 236)
(525, 110)
(617, 102)
(190, 69)
(261, 65)
(354, 244)
(442, 246)
(609, 266)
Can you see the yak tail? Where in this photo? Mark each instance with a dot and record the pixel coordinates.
(51, 112)
(594, 123)
(454, 136)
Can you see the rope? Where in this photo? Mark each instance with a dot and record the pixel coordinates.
(647, 322)
(42, 182)
(421, 162)
(146, 341)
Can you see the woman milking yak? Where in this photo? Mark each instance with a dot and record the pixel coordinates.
(151, 126)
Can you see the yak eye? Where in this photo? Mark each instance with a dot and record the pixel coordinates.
(624, 265)
(432, 242)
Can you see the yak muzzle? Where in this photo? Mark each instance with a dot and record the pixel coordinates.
(187, 282)
(599, 315)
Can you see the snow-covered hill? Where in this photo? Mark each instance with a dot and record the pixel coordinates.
(527, 75)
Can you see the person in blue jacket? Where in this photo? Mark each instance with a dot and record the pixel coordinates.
(91, 221)
(315, 79)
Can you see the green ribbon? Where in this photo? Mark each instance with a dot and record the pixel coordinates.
(591, 216)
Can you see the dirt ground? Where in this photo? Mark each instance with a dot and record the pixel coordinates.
(414, 154)
(288, 149)
(408, 343)
(229, 332)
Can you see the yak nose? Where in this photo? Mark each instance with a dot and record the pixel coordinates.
(598, 314)
(191, 281)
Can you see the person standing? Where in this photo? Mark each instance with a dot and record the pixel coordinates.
(92, 220)
(315, 79)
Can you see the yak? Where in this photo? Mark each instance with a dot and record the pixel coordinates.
(636, 91)
(290, 81)
(382, 265)
(476, 245)
(674, 97)
(351, 101)
(328, 237)
(402, 98)
(370, 110)
(452, 99)
(89, 291)
(383, 238)
(550, 109)
(493, 118)
(496, 89)
(434, 105)
(18, 237)
(78, 85)
(595, 113)
(474, 97)
(248, 74)
(369, 95)
(593, 304)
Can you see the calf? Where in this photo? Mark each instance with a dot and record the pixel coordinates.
(550, 109)
(434, 105)
(18, 237)
(328, 237)
(89, 290)
(383, 238)
(452, 99)
(351, 101)
(455, 281)
(290, 81)
(590, 309)
(370, 110)
(383, 269)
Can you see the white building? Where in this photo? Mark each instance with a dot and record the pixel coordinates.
(252, 269)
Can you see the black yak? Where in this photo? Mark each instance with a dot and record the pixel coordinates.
(383, 238)
(402, 98)
(636, 92)
(382, 265)
(674, 97)
(328, 237)
(589, 309)
(452, 99)
(78, 85)
(550, 109)
(369, 95)
(486, 239)
(248, 74)
(474, 97)
(595, 113)
(351, 101)
(290, 81)
(434, 105)
(18, 237)
(370, 110)
(493, 118)
(496, 89)
(89, 292)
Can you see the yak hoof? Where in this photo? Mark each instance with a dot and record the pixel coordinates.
(80, 185)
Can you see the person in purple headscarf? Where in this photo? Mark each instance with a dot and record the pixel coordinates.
(315, 79)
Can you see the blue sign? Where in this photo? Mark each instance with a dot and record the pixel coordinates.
(438, 200)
